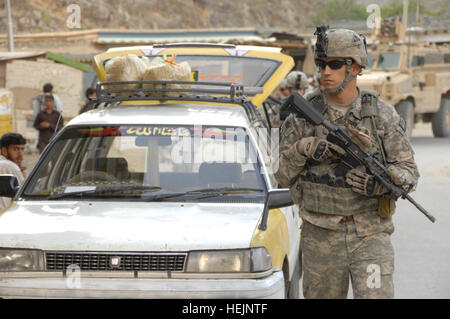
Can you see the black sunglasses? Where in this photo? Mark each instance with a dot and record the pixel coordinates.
(333, 64)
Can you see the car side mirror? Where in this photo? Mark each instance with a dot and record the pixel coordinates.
(9, 185)
(276, 198)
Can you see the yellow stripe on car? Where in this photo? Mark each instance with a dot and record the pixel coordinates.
(275, 238)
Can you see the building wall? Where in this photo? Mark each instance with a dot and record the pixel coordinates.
(26, 79)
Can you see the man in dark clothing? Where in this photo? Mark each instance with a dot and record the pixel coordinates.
(90, 95)
(47, 122)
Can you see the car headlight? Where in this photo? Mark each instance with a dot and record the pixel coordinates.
(21, 260)
(232, 260)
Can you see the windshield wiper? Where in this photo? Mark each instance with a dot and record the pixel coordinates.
(206, 192)
(105, 190)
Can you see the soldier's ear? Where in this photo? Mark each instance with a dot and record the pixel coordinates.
(356, 69)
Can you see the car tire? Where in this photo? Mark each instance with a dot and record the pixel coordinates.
(440, 121)
(406, 110)
(292, 287)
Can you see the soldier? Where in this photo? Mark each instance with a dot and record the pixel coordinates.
(296, 81)
(273, 105)
(283, 88)
(347, 220)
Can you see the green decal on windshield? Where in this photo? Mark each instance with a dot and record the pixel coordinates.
(101, 131)
(157, 131)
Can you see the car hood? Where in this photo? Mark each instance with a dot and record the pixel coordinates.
(113, 226)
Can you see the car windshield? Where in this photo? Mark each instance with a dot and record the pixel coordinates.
(388, 60)
(149, 162)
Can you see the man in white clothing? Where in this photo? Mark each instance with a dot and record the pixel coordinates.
(12, 149)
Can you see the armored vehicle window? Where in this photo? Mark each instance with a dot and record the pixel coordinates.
(434, 58)
(388, 60)
(417, 60)
(447, 58)
(371, 60)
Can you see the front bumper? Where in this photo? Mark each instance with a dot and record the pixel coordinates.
(54, 285)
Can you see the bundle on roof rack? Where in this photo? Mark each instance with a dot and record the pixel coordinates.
(125, 68)
(167, 70)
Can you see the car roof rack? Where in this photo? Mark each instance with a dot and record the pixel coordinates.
(224, 93)
(194, 45)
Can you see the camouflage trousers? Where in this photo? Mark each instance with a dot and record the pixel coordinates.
(331, 258)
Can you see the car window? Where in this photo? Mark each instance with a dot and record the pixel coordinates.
(135, 158)
(228, 69)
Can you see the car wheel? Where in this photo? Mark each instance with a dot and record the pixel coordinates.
(406, 110)
(440, 121)
(292, 288)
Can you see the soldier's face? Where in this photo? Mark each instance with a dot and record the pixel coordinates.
(331, 79)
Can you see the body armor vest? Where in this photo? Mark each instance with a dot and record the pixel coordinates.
(323, 189)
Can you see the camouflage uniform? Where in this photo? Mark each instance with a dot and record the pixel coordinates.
(297, 80)
(273, 110)
(342, 232)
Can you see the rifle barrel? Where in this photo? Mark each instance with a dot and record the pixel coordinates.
(422, 210)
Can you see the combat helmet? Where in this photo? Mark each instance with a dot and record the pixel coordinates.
(297, 80)
(282, 84)
(341, 43)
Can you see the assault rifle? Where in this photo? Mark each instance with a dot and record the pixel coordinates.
(354, 156)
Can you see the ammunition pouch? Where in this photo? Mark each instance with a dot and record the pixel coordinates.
(387, 207)
(328, 195)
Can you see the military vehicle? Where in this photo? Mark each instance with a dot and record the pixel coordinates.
(412, 76)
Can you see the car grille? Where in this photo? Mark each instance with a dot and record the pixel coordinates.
(87, 261)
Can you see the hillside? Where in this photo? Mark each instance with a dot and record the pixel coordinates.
(32, 16)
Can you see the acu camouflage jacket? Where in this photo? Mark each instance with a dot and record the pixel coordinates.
(325, 200)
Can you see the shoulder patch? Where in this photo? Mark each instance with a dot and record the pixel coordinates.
(288, 126)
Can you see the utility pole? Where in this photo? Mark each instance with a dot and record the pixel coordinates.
(405, 14)
(418, 12)
(10, 27)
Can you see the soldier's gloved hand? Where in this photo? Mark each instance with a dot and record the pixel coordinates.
(318, 148)
(364, 183)
(397, 175)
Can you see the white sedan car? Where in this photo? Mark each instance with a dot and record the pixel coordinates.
(169, 199)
